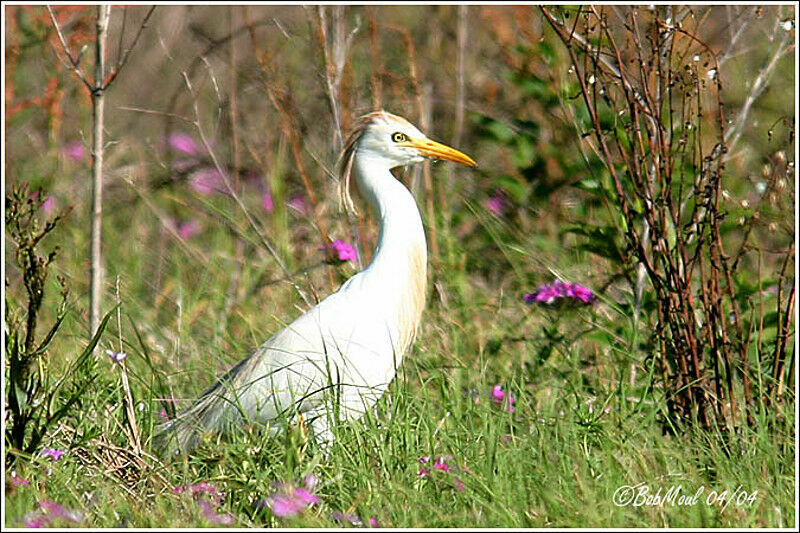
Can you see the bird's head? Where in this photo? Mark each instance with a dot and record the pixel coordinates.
(394, 142)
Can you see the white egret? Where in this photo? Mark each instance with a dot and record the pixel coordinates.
(335, 361)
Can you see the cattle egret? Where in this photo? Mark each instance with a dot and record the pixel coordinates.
(335, 361)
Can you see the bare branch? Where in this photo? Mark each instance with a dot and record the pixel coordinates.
(155, 112)
(124, 59)
(461, 40)
(74, 63)
(741, 26)
(335, 58)
(733, 133)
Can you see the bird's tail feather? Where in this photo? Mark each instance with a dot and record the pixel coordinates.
(182, 434)
(209, 413)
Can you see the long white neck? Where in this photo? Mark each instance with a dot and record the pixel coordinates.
(398, 268)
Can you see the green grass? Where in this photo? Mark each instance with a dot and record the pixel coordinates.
(552, 462)
(580, 429)
(589, 409)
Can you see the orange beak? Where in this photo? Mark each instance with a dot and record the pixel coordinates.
(434, 150)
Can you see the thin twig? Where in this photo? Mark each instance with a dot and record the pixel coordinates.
(74, 64)
(264, 240)
(733, 133)
(133, 426)
(124, 59)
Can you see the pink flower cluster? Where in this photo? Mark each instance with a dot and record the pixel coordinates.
(559, 292)
(497, 204)
(74, 150)
(440, 464)
(299, 204)
(207, 180)
(341, 251)
(267, 203)
(501, 397)
(201, 491)
(186, 230)
(184, 143)
(50, 511)
(202, 488)
(209, 511)
(52, 453)
(48, 205)
(290, 500)
(17, 480)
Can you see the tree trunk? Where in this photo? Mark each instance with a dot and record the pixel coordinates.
(98, 97)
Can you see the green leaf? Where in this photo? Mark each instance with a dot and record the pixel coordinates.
(589, 185)
(601, 240)
(49, 337)
(83, 357)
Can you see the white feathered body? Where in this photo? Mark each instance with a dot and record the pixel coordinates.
(340, 356)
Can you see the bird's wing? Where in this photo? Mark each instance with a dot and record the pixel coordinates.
(335, 343)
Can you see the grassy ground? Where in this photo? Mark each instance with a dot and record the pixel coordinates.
(583, 443)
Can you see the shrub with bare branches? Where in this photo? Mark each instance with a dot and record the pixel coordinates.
(651, 93)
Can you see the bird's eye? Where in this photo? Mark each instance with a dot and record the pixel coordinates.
(399, 137)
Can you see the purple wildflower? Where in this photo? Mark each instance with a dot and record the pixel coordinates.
(310, 482)
(299, 204)
(183, 142)
(373, 522)
(353, 519)
(116, 357)
(185, 230)
(74, 150)
(267, 202)
(500, 397)
(35, 521)
(288, 505)
(496, 204)
(305, 496)
(211, 515)
(559, 292)
(206, 180)
(56, 510)
(53, 453)
(289, 500)
(442, 465)
(189, 229)
(48, 512)
(341, 251)
(200, 489)
(17, 480)
(49, 204)
(438, 463)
